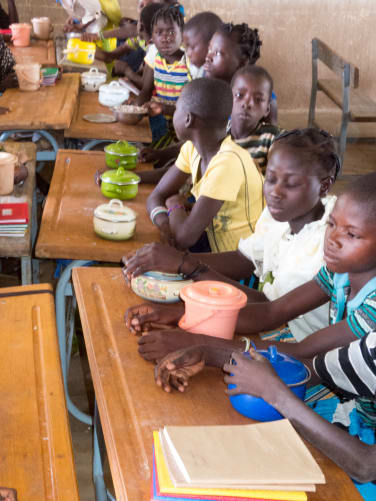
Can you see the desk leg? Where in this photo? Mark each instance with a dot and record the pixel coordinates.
(99, 452)
(26, 270)
(64, 289)
(88, 146)
(41, 155)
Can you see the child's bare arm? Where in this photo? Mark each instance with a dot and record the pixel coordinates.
(170, 183)
(153, 256)
(152, 176)
(122, 68)
(12, 12)
(129, 30)
(147, 86)
(108, 57)
(8, 494)
(187, 229)
(258, 378)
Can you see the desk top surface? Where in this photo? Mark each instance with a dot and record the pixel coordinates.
(131, 406)
(20, 246)
(67, 231)
(88, 104)
(47, 108)
(39, 51)
(35, 441)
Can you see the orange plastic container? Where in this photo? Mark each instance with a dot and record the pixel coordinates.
(211, 308)
(20, 34)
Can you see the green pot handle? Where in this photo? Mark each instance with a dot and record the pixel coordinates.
(120, 171)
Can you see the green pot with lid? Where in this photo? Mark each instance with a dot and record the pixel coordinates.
(120, 184)
(121, 154)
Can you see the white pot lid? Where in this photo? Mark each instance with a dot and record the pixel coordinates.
(115, 212)
(94, 74)
(114, 89)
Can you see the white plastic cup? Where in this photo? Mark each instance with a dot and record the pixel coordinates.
(28, 75)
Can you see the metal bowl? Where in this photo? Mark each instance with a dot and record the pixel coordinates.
(129, 114)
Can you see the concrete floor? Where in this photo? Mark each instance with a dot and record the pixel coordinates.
(360, 158)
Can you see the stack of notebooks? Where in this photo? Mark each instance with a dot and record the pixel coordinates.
(263, 461)
(14, 219)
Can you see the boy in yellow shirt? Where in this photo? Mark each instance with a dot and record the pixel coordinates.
(226, 182)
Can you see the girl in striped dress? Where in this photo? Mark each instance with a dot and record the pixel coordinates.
(165, 74)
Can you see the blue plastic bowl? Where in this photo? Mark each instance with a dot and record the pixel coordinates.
(291, 371)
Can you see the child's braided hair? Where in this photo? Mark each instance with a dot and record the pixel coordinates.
(169, 14)
(315, 144)
(247, 39)
(147, 15)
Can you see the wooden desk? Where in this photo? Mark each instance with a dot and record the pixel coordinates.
(67, 223)
(46, 108)
(35, 441)
(22, 246)
(39, 51)
(81, 129)
(131, 406)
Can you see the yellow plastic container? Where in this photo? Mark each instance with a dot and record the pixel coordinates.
(80, 52)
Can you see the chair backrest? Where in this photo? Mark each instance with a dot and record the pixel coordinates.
(335, 62)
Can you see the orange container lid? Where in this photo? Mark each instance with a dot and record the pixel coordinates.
(212, 293)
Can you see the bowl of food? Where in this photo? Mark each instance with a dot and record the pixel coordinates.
(121, 154)
(294, 374)
(129, 114)
(120, 184)
(159, 287)
(114, 221)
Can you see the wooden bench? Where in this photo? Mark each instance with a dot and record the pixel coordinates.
(35, 441)
(343, 91)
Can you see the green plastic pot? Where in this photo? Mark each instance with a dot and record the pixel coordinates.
(121, 154)
(119, 184)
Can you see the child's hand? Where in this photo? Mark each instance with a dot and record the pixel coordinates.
(149, 155)
(154, 107)
(156, 345)
(147, 316)
(20, 173)
(132, 99)
(97, 175)
(154, 256)
(254, 377)
(175, 369)
(70, 25)
(9, 82)
(176, 200)
(121, 68)
(7, 494)
(90, 37)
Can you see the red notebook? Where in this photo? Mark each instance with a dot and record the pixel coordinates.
(14, 213)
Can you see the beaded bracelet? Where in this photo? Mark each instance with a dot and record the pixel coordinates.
(171, 209)
(156, 211)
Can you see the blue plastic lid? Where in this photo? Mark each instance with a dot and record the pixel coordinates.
(289, 369)
(169, 277)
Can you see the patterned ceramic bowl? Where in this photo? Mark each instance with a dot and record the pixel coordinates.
(159, 287)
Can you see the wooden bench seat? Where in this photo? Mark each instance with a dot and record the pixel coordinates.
(362, 108)
(343, 91)
(35, 441)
